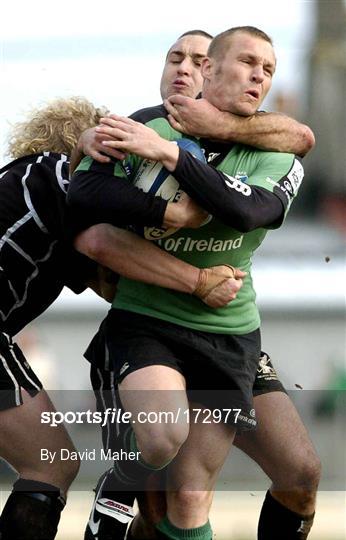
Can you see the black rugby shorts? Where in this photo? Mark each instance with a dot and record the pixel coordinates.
(267, 379)
(219, 369)
(15, 374)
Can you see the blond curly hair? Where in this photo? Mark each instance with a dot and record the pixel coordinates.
(55, 127)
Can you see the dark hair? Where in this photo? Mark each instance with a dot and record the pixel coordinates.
(196, 33)
(190, 33)
(218, 45)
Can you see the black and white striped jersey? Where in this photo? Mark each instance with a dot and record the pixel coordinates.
(36, 260)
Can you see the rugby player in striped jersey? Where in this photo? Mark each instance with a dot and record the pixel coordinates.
(37, 260)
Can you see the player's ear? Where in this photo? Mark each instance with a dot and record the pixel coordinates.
(206, 68)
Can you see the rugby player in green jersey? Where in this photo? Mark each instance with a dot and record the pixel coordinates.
(230, 165)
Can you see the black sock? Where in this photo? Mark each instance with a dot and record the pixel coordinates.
(279, 523)
(111, 489)
(32, 512)
(129, 533)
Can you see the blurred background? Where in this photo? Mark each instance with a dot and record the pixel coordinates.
(113, 54)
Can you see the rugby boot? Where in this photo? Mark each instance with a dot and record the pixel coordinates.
(111, 511)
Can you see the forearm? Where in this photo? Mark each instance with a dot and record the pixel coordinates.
(135, 258)
(267, 131)
(100, 198)
(236, 204)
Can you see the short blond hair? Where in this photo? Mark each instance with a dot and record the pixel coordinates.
(222, 42)
(55, 127)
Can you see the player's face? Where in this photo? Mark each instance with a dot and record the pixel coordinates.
(239, 81)
(182, 71)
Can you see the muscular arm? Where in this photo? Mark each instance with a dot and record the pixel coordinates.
(138, 259)
(100, 198)
(267, 131)
(95, 197)
(236, 204)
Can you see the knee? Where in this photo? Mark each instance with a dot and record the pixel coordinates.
(159, 445)
(304, 473)
(59, 473)
(188, 501)
(93, 241)
(299, 495)
(309, 473)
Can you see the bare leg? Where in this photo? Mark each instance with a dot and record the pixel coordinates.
(161, 389)
(283, 449)
(190, 483)
(33, 509)
(192, 475)
(153, 508)
(22, 436)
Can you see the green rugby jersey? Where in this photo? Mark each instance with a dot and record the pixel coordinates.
(214, 243)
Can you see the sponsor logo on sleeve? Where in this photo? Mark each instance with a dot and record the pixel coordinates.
(292, 181)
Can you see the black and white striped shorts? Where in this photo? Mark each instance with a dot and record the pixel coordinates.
(15, 374)
(107, 397)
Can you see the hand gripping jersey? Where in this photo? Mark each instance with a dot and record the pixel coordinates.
(247, 191)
